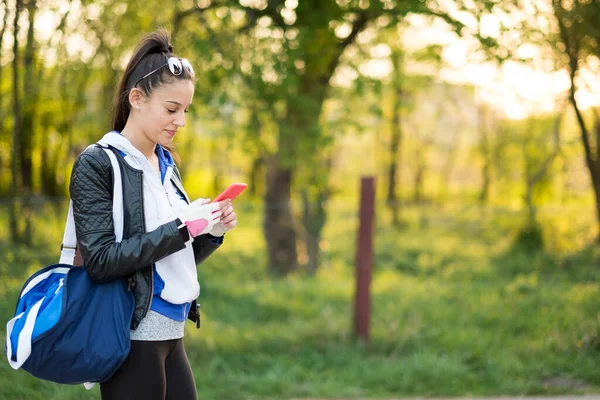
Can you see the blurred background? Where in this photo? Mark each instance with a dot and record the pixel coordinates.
(478, 119)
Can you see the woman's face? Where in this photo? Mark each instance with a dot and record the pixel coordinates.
(163, 113)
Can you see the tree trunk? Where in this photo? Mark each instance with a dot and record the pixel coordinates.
(256, 172)
(304, 102)
(448, 169)
(531, 212)
(314, 215)
(311, 222)
(278, 223)
(572, 44)
(592, 163)
(3, 129)
(46, 173)
(534, 176)
(15, 161)
(484, 194)
(530, 180)
(393, 173)
(50, 161)
(30, 89)
(111, 81)
(2, 32)
(597, 181)
(257, 169)
(313, 250)
(419, 177)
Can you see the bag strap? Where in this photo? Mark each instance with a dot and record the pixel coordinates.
(69, 243)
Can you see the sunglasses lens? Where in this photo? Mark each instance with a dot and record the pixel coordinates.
(175, 66)
(187, 65)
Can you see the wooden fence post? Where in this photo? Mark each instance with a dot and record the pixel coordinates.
(364, 259)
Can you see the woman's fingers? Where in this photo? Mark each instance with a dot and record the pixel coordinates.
(227, 214)
(226, 219)
(228, 210)
(223, 204)
(232, 224)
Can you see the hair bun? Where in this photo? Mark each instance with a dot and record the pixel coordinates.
(162, 41)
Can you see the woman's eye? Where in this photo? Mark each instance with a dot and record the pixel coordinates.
(171, 111)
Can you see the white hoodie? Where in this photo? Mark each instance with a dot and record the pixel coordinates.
(175, 276)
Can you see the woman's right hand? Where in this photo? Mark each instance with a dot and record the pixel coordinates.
(201, 215)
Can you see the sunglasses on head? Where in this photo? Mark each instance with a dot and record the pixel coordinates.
(176, 66)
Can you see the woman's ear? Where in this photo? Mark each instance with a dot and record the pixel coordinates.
(136, 98)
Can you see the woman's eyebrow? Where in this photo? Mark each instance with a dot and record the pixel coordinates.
(177, 103)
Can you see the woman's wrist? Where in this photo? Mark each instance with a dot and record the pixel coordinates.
(183, 230)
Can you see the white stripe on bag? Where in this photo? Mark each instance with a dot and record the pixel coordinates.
(41, 277)
(24, 342)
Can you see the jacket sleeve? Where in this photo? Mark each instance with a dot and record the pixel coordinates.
(204, 247)
(91, 190)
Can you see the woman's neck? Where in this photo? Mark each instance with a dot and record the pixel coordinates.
(139, 141)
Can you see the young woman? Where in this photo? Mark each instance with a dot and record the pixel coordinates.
(164, 234)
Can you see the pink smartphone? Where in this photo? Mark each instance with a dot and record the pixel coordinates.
(231, 192)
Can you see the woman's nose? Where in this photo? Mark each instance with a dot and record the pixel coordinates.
(180, 120)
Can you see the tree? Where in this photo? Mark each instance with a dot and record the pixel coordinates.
(314, 214)
(30, 100)
(3, 128)
(537, 165)
(306, 41)
(484, 119)
(579, 40)
(400, 97)
(17, 184)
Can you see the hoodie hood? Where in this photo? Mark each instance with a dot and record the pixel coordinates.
(136, 158)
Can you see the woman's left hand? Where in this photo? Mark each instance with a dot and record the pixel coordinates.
(228, 221)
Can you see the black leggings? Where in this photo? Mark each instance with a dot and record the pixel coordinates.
(152, 371)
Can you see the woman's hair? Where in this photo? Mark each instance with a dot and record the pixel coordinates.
(151, 53)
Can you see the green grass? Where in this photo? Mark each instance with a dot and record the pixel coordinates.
(458, 308)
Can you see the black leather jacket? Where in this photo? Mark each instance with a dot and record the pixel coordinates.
(91, 190)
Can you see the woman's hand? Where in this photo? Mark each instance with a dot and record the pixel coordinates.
(200, 216)
(227, 221)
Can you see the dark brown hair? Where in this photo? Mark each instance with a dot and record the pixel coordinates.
(152, 52)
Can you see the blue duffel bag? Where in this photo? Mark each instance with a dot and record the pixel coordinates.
(66, 328)
(74, 330)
